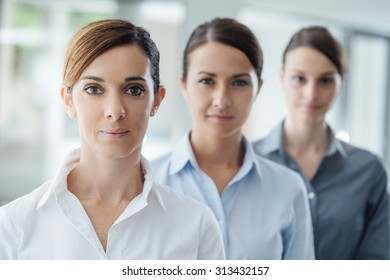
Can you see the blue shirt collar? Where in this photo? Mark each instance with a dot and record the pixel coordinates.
(184, 155)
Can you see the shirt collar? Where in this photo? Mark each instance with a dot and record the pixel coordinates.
(274, 142)
(249, 160)
(150, 182)
(59, 187)
(335, 145)
(184, 155)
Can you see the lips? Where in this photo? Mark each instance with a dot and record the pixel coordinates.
(221, 117)
(312, 107)
(115, 133)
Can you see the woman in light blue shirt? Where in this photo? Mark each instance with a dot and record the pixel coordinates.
(261, 206)
(346, 184)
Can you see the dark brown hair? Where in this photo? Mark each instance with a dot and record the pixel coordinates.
(320, 39)
(229, 32)
(100, 36)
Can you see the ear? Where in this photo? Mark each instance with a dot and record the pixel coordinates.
(68, 102)
(183, 86)
(158, 98)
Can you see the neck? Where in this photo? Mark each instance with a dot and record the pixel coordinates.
(210, 149)
(106, 179)
(305, 137)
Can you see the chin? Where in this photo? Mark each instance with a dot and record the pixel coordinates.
(313, 119)
(119, 152)
(224, 133)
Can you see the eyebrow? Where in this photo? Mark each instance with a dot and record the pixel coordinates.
(207, 73)
(322, 74)
(234, 76)
(92, 78)
(243, 74)
(127, 79)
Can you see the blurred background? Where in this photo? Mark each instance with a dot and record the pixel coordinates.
(35, 132)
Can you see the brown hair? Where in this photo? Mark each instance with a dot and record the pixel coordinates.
(320, 39)
(229, 32)
(100, 36)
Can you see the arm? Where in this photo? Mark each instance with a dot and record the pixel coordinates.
(211, 245)
(375, 240)
(8, 241)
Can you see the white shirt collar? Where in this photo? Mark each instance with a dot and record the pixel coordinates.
(59, 184)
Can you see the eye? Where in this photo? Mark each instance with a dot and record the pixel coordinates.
(135, 90)
(240, 83)
(93, 90)
(297, 79)
(326, 81)
(206, 81)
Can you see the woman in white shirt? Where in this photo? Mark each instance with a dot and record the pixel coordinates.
(104, 203)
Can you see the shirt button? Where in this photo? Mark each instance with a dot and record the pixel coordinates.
(311, 195)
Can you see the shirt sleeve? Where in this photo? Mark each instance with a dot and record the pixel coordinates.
(8, 239)
(375, 241)
(211, 246)
(298, 238)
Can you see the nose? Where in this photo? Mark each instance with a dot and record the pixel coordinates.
(221, 97)
(311, 91)
(114, 108)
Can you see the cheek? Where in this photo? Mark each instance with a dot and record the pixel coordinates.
(290, 94)
(244, 101)
(197, 101)
(87, 120)
(135, 110)
(331, 96)
(286, 87)
(86, 112)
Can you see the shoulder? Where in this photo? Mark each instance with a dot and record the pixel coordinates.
(174, 199)
(270, 168)
(280, 178)
(182, 206)
(363, 158)
(23, 207)
(354, 151)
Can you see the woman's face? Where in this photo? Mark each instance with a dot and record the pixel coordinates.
(220, 89)
(112, 102)
(310, 82)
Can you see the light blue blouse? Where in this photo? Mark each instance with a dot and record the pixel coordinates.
(263, 212)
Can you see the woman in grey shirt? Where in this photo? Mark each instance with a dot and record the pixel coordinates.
(346, 185)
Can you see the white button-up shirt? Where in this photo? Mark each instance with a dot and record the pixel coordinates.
(51, 223)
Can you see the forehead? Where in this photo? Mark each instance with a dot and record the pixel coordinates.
(310, 60)
(216, 57)
(129, 59)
